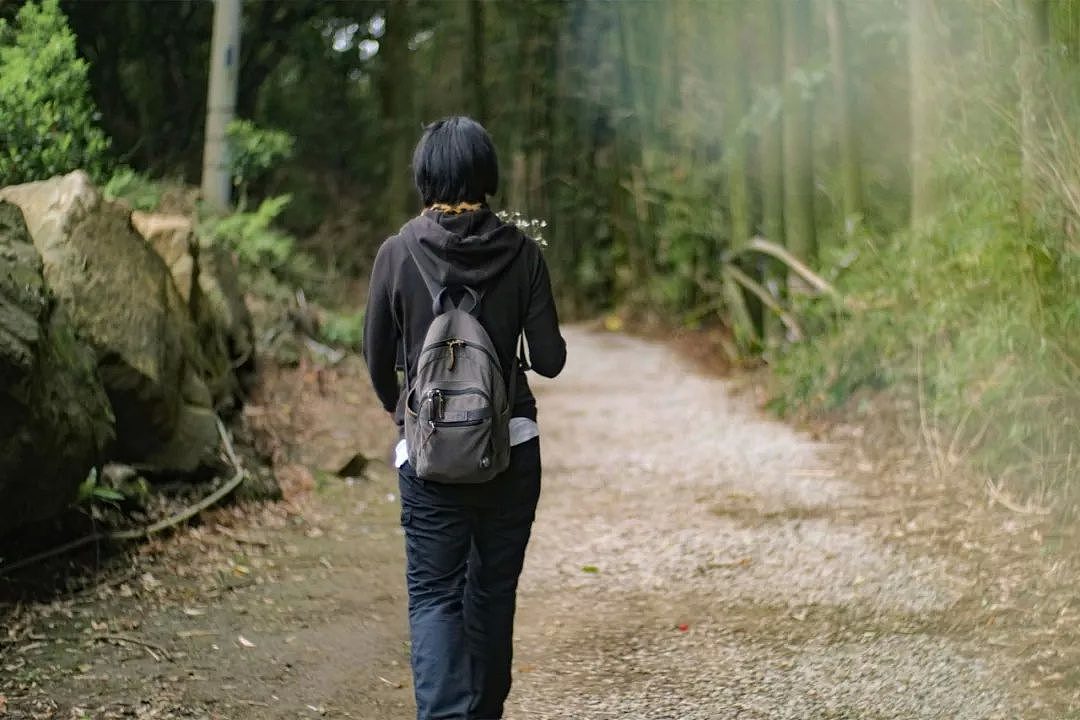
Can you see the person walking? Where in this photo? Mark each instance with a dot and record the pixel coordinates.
(451, 296)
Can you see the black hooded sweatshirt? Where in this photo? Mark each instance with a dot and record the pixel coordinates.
(474, 249)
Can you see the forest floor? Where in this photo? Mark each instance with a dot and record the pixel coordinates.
(691, 559)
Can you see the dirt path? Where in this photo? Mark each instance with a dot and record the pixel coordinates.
(726, 585)
(691, 560)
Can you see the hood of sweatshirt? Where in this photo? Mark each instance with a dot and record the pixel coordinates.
(462, 249)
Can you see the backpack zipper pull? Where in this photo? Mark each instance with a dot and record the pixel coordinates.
(453, 353)
(436, 409)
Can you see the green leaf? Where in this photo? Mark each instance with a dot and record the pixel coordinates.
(104, 493)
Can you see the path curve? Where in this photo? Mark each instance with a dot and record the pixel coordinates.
(695, 560)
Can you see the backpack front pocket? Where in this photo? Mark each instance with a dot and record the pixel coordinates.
(454, 427)
(458, 407)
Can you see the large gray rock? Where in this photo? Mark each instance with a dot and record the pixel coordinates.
(55, 419)
(123, 301)
(208, 281)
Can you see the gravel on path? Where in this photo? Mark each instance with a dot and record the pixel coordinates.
(690, 561)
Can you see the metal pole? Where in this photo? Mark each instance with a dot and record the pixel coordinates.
(221, 103)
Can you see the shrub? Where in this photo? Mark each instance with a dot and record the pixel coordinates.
(253, 151)
(49, 123)
(139, 191)
(343, 329)
(974, 318)
(252, 237)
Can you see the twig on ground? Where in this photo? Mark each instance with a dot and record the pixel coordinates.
(241, 538)
(148, 646)
(391, 683)
(190, 512)
(957, 433)
(924, 427)
(1001, 498)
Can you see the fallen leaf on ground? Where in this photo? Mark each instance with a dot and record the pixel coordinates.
(591, 569)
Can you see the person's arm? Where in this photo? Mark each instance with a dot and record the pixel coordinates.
(547, 349)
(381, 336)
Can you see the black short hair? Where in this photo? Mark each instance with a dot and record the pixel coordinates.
(455, 162)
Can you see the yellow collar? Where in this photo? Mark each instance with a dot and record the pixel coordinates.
(457, 209)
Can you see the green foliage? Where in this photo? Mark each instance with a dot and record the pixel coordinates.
(253, 151)
(614, 124)
(975, 311)
(252, 235)
(691, 234)
(271, 265)
(343, 329)
(139, 191)
(94, 490)
(49, 123)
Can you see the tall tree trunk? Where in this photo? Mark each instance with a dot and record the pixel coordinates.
(772, 161)
(735, 141)
(1034, 50)
(798, 138)
(920, 49)
(397, 111)
(632, 143)
(741, 316)
(771, 61)
(474, 70)
(847, 135)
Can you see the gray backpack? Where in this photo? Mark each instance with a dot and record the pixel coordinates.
(457, 409)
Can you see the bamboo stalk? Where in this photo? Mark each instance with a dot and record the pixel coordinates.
(766, 299)
(761, 245)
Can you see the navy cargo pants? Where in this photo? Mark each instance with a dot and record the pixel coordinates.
(464, 548)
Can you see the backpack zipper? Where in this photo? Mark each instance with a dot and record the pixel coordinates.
(437, 400)
(454, 423)
(462, 343)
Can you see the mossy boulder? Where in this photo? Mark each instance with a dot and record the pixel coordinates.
(123, 301)
(55, 418)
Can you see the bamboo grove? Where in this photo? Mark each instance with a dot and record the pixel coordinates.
(882, 193)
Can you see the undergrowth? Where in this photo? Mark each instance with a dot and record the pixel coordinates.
(976, 317)
(136, 189)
